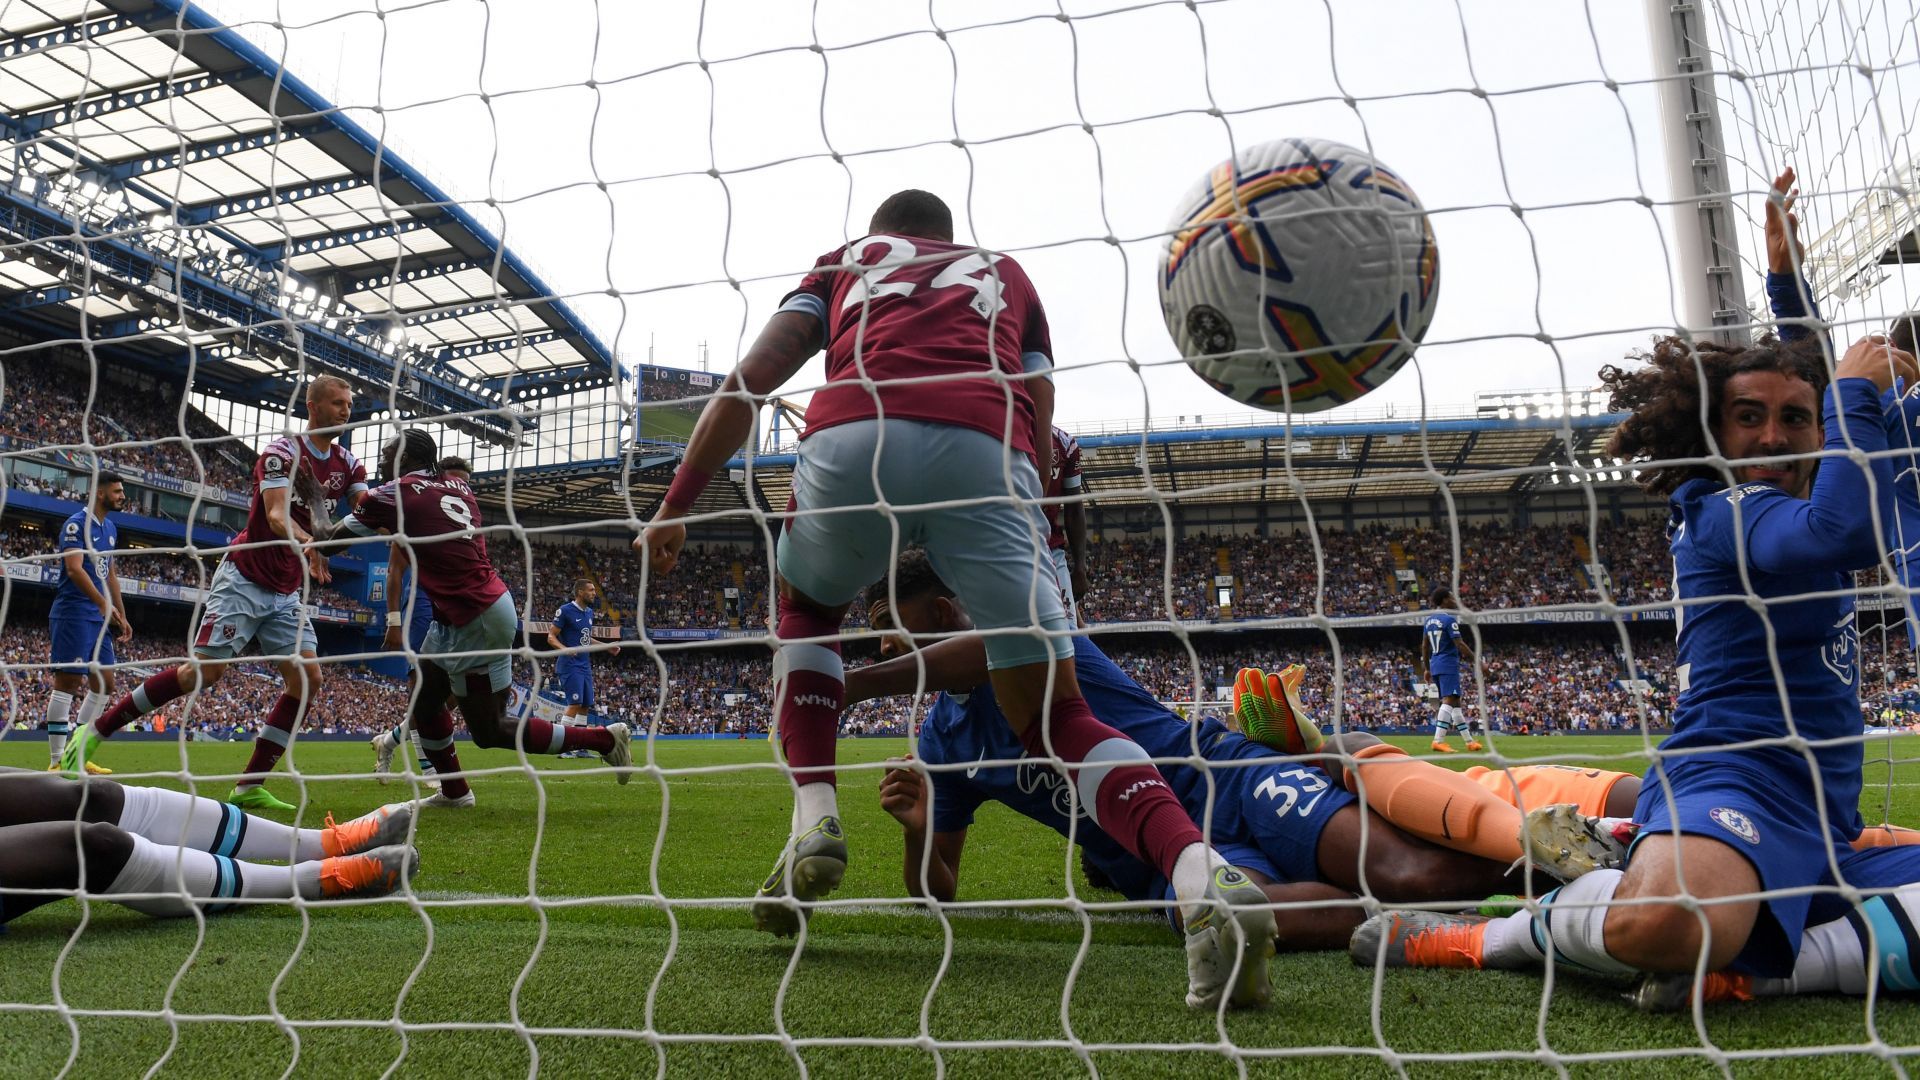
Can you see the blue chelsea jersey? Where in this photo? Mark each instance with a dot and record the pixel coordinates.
(1440, 631)
(574, 625)
(1755, 540)
(970, 729)
(83, 533)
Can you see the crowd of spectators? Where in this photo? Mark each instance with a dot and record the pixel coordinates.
(45, 399)
(351, 700)
(1351, 573)
(1546, 681)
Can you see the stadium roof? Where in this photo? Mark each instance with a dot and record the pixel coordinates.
(1479, 455)
(172, 183)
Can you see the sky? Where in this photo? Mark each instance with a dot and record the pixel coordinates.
(673, 167)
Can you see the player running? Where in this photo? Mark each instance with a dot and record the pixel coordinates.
(255, 594)
(166, 853)
(1294, 829)
(1442, 651)
(1067, 523)
(571, 635)
(87, 617)
(938, 392)
(467, 654)
(1735, 800)
(409, 617)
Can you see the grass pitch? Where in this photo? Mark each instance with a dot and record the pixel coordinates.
(478, 980)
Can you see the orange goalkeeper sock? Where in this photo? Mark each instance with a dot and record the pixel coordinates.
(1436, 804)
(1874, 836)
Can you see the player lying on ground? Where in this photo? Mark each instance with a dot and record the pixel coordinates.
(255, 595)
(1738, 809)
(1300, 836)
(87, 617)
(951, 344)
(1436, 804)
(467, 655)
(158, 851)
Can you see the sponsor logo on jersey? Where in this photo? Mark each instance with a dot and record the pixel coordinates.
(1736, 823)
(1841, 649)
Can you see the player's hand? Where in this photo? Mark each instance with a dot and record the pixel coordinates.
(615, 652)
(660, 542)
(1872, 358)
(393, 640)
(904, 796)
(1784, 250)
(126, 628)
(317, 566)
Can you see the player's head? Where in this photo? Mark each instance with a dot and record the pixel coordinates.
(914, 213)
(584, 590)
(1904, 330)
(413, 450)
(924, 603)
(109, 494)
(1761, 401)
(329, 402)
(454, 466)
(1442, 598)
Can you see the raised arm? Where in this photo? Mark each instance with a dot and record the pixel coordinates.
(1834, 529)
(789, 339)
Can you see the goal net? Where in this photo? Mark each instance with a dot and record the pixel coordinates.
(542, 235)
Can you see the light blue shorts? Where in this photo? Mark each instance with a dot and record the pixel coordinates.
(991, 549)
(485, 644)
(238, 612)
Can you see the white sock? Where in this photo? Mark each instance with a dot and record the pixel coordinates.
(177, 819)
(59, 707)
(1440, 725)
(172, 877)
(91, 707)
(814, 802)
(1510, 943)
(1576, 917)
(1191, 869)
(1833, 955)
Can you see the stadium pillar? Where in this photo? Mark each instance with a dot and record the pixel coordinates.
(1706, 250)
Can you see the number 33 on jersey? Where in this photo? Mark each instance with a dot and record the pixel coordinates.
(893, 308)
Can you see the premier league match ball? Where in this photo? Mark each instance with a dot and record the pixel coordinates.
(1299, 276)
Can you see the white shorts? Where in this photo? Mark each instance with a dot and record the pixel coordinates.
(990, 549)
(485, 644)
(238, 612)
(1064, 575)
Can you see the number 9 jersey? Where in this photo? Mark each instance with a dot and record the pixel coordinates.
(453, 567)
(894, 307)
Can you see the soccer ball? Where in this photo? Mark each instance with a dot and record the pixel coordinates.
(1299, 276)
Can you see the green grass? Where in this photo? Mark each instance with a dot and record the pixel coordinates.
(648, 979)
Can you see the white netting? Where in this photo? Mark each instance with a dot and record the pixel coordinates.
(543, 232)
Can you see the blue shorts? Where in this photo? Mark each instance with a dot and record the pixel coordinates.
(576, 686)
(1280, 807)
(78, 643)
(1768, 818)
(990, 548)
(1448, 685)
(418, 626)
